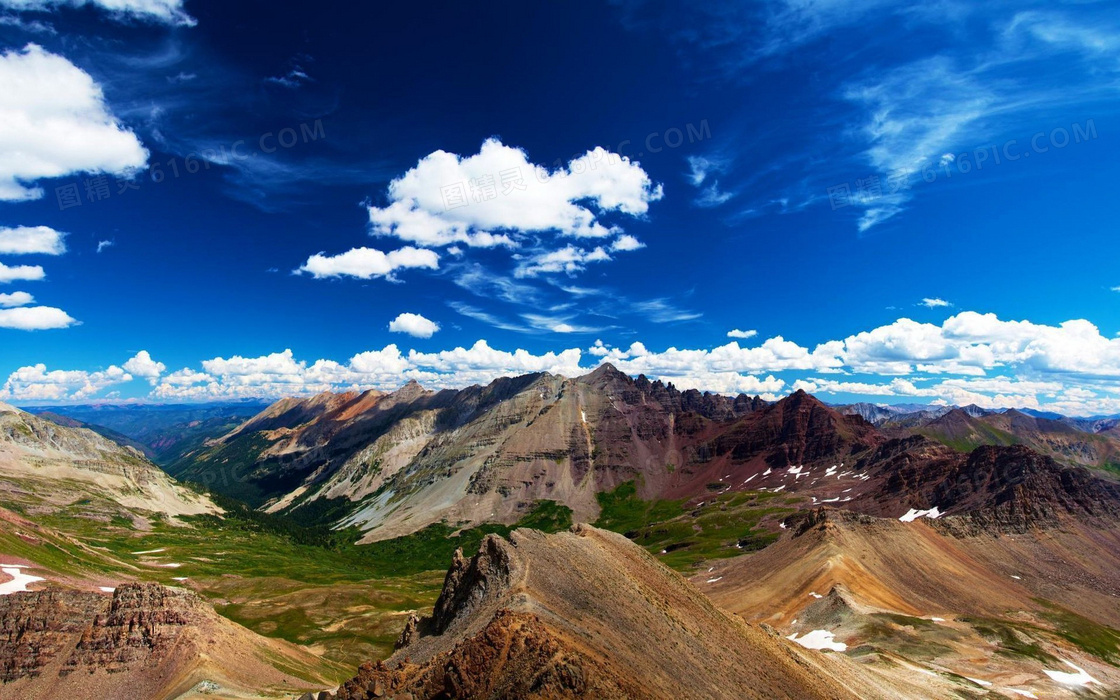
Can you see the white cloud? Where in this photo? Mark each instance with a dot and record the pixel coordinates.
(280, 374)
(625, 243)
(662, 311)
(142, 365)
(969, 358)
(712, 196)
(367, 263)
(742, 335)
(166, 11)
(35, 383)
(497, 197)
(413, 324)
(568, 259)
(26, 240)
(293, 79)
(915, 113)
(35, 318)
(54, 121)
(934, 302)
(20, 272)
(699, 167)
(16, 299)
(102, 245)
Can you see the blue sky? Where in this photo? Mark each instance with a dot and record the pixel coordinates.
(203, 200)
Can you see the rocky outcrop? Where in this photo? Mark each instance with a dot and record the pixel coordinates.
(71, 631)
(143, 641)
(573, 615)
(515, 656)
(470, 584)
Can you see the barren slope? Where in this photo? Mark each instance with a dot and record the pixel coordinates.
(588, 614)
(142, 641)
(53, 462)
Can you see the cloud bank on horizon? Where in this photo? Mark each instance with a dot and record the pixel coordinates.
(971, 358)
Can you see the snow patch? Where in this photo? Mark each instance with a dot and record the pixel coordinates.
(713, 580)
(152, 551)
(107, 589)
(977, 681)
(818, 639)
(912, 514)
(1024, 693)
(767, 472)
(1079, 678)
(782, 525)
(19, 581)
(815, 594)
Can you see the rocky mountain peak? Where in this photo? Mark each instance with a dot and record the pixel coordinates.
(607, 374)
(469, 584)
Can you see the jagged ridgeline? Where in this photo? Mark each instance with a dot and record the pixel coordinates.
(390, 464)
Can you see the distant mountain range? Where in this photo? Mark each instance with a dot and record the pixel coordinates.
(161, 431)
(394, 463)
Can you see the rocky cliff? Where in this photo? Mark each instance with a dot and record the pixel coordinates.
(142, 641)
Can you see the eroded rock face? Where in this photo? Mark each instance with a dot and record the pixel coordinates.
(514, 656)
(1017, 488)
(469, 583)
(993, 489)
(138, 625)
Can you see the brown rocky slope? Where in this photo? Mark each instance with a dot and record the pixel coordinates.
(587, 613)
(143, 641)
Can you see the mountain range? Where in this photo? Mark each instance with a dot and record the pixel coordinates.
(789, 549)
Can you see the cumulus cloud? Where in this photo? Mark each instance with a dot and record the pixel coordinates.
(54, 122)
(35, 318)
(742, 335)
(969, 358)
(27, 240)
(165, 11)
(20, 272)
(281, 374)
(36, 383)
(413, 324)
(368, 263)
(448, 199)
(142, 365)
(626, 243)
(16, 299)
